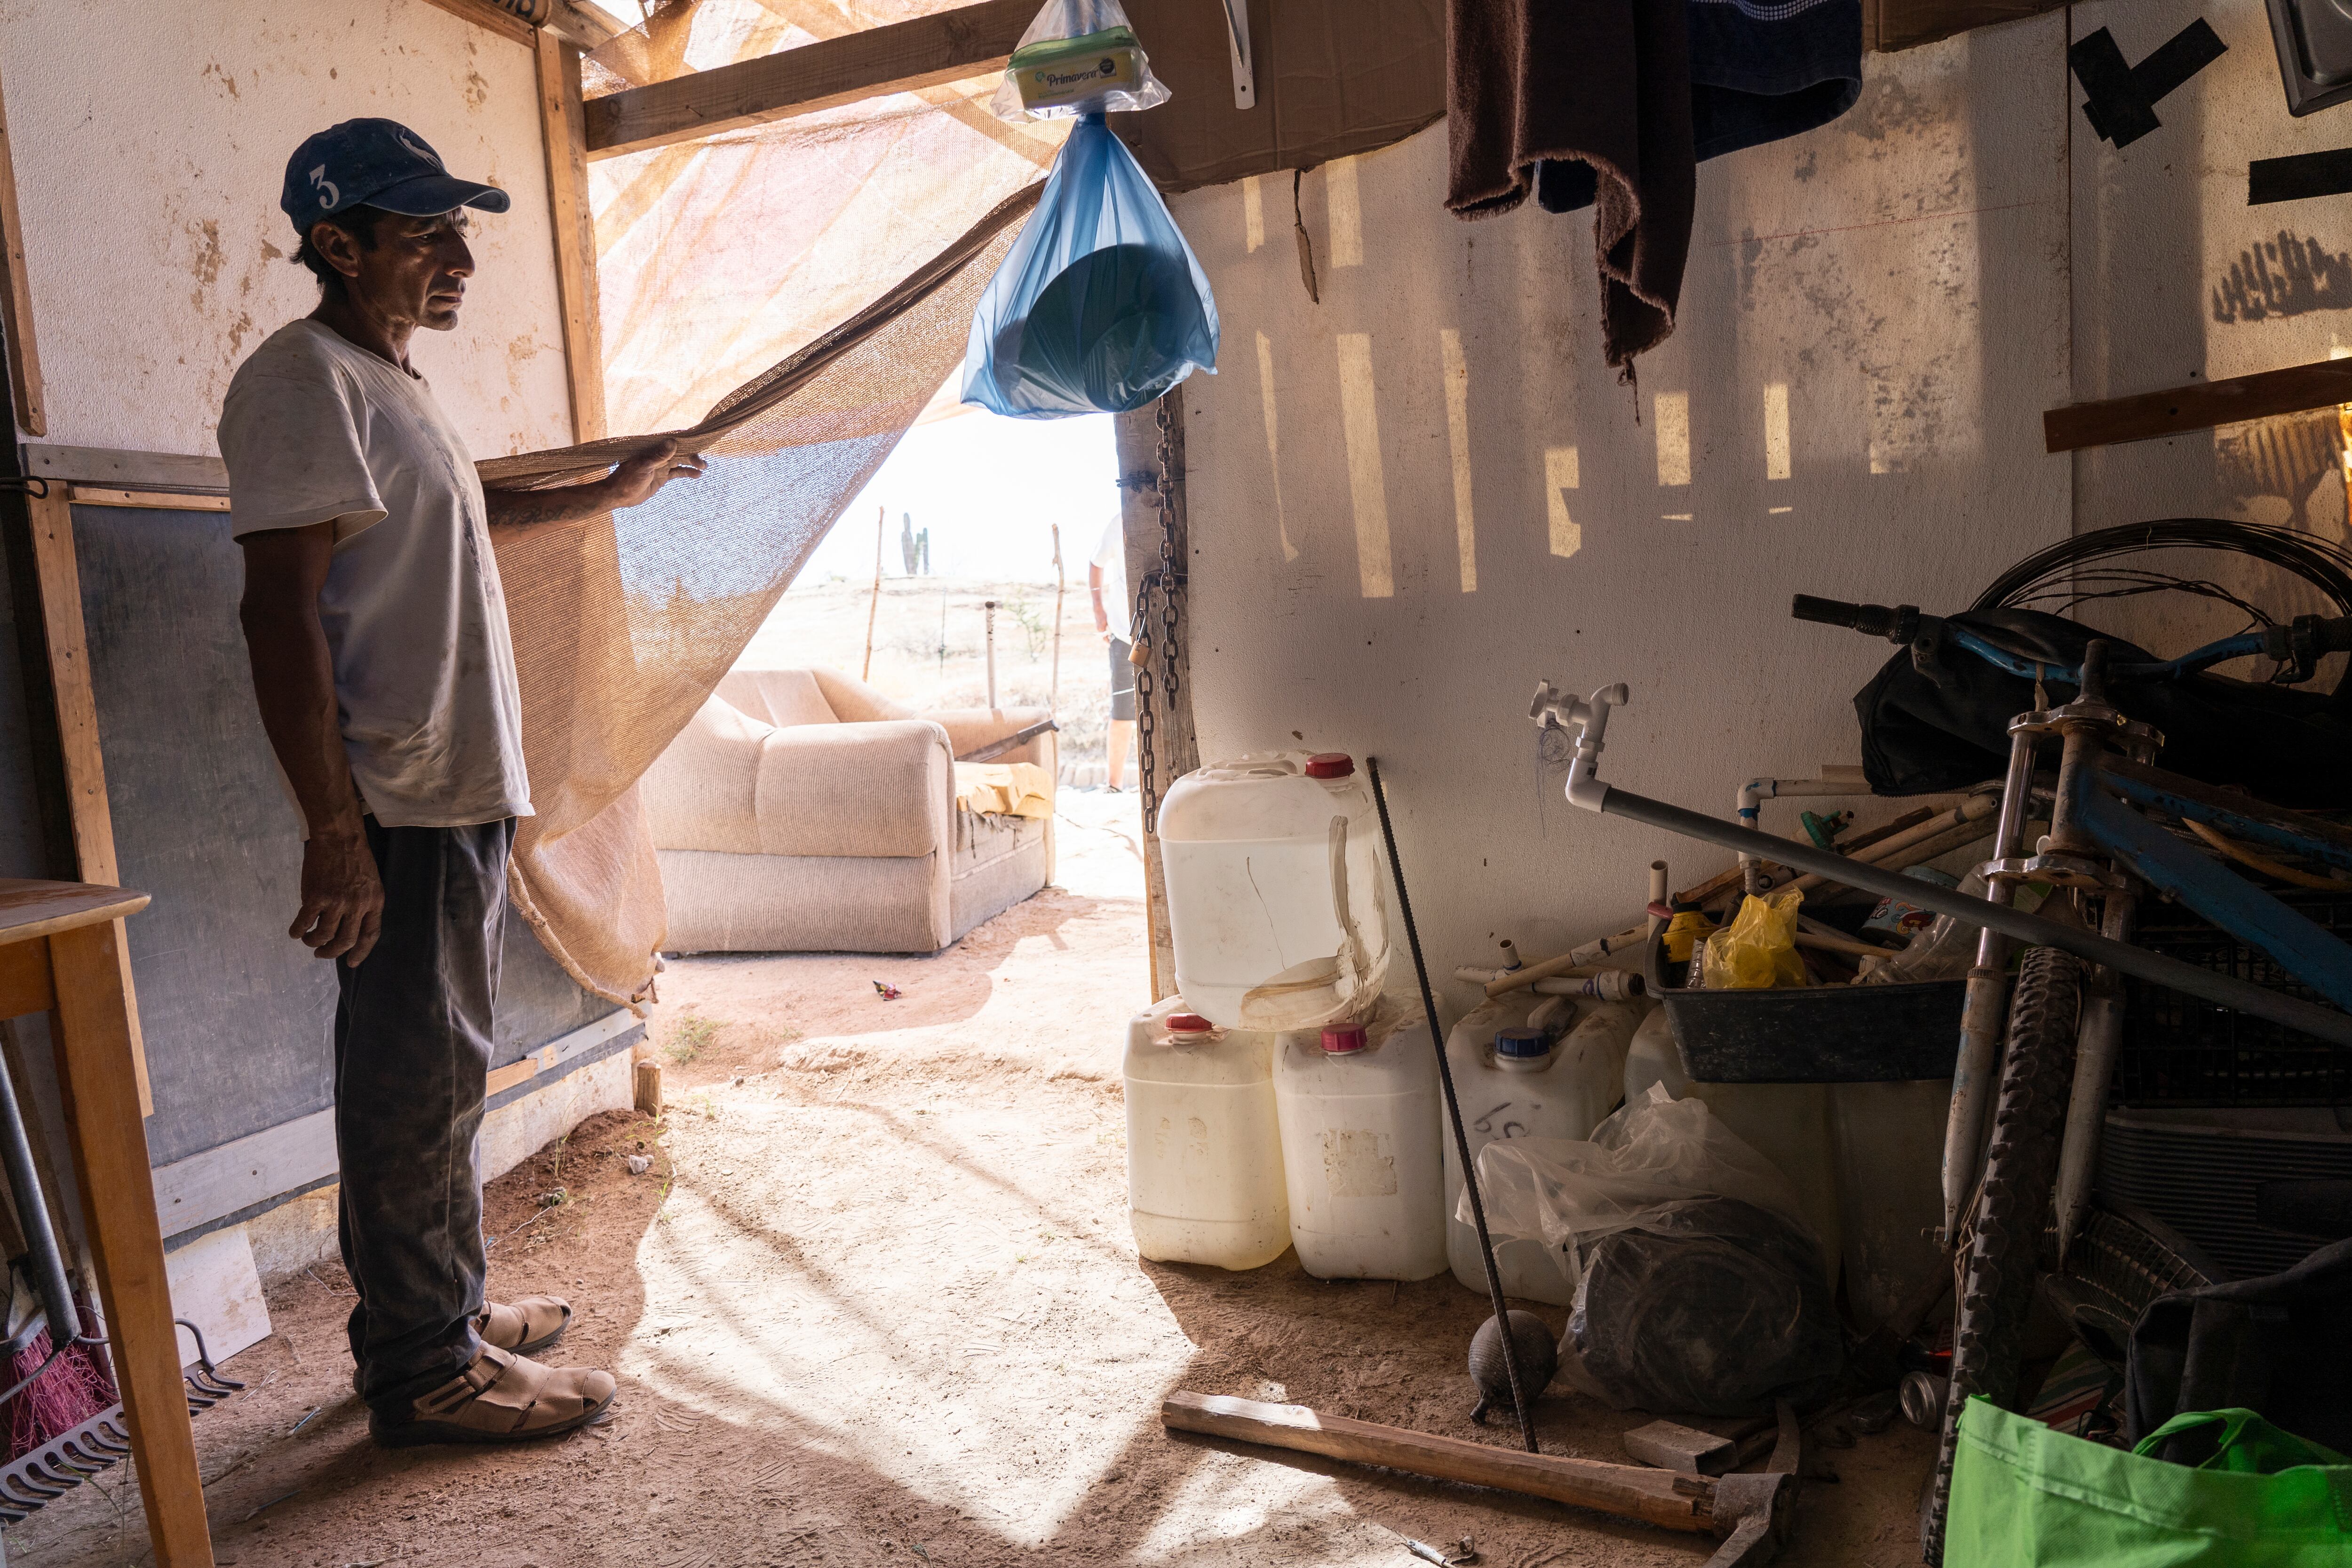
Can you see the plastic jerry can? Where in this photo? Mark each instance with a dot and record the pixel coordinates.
(1203, 1148)
(1276, 906)
(1890, 1189)
(1359, 1112)
(1787, 1123)
(1516, 1081)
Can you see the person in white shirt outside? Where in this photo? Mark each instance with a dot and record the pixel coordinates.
(1106, 584)
(377, 632)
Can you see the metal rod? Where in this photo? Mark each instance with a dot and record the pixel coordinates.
(1519, 1395)
(2321, 1023)
(989, 605)
(33, 1216)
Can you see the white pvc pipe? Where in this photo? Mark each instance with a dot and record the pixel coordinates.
(1755, 792)
(1660, 892)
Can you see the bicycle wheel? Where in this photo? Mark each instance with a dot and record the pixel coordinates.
(2021, 1171)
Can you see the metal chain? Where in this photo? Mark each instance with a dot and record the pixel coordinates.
(1171, 650)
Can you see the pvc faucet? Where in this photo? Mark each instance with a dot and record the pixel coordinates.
(1590, 716)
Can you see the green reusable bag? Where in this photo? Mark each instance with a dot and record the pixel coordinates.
(2026, 1496)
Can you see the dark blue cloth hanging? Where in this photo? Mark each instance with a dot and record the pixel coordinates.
(1759, 73)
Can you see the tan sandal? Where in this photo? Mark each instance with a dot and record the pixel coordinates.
(526, 1327)
(501, 1398)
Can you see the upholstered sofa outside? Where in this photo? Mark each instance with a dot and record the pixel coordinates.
(802, 811)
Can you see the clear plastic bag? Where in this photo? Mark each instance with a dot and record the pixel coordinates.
(1758, 950)
(1686, 1297)
(1079, 57)
(1099, 307)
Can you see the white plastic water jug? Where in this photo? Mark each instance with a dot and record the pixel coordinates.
(1787, 1123)
(1359, 1114)
(1276, 903)
(1516, 1081)
(1203, 1148)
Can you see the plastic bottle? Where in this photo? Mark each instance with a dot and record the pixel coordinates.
(1787, 1123)
(1889, 1142)
(1276, 905)
(1204, 1147)
(1516, 1081)
(1360, 1111)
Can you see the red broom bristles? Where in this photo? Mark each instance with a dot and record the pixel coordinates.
(69, 1393)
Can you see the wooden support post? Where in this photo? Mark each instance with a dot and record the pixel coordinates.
(16, 299)
(563, 128)
(97, 1056)
(945, 46)
(2200, 405)
(59, 584)
(1176, 749)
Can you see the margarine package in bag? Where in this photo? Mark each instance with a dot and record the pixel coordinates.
(1079, 57)
(1068, 72)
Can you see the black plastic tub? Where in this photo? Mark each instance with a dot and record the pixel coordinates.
(1812, 1034)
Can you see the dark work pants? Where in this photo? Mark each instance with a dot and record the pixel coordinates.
(411, 1050)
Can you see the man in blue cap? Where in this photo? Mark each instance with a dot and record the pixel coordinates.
(378, 637)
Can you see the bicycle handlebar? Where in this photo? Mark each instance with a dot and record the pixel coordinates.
(2298, 647)
(1898, 625)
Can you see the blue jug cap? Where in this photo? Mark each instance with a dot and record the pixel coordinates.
(1521, 1045)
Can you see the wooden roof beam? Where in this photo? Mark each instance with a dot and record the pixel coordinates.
(947, 46)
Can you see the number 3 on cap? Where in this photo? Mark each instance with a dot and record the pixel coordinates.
(328, 196)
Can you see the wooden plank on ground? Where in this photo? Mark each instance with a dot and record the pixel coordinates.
(2200, 405)
(945, 46)
(1657, 1497)
(563, 129)
(59, 587)
(16, 299)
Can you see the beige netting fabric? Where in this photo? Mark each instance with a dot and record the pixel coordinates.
(624, 627)
(804, 283)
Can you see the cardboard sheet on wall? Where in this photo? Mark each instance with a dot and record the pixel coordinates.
(1334, 78)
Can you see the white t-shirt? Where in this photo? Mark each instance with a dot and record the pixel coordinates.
(1112, 556)
(317, 428)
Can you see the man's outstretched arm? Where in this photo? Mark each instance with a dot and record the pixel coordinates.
(294, 681)
(633, 483)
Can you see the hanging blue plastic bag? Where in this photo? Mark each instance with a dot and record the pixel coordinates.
(1100, 307)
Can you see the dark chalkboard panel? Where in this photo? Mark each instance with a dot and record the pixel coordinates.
(235, 1015)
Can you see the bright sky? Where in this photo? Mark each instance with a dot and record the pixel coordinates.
(989, 489)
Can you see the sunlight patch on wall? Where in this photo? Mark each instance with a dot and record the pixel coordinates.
(1346, 213)
(1670, 416)
(1775, 430)
(1457, 434)
(1559, 478)
(1253, 211)
(1360, 423)
(1273, 442)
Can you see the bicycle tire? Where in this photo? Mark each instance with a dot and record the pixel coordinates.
(2020, 1174)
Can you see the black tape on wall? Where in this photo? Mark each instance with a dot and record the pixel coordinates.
(2296, 178)
(2120, 99)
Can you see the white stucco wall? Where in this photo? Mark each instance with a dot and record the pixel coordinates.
(150, 144)
(1901, 276)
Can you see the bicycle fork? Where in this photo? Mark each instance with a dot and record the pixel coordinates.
(2069, 857)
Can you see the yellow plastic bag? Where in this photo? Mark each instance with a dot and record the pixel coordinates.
(1759, 949)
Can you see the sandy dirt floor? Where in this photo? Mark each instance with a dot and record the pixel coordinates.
(875, 1302)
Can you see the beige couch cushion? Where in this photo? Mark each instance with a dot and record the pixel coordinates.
(702, 792)
(782, 697)
(880, 789)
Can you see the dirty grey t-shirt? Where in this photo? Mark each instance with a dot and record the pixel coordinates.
(317, 429)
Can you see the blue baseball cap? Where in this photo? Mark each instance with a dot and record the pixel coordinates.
(378, 163)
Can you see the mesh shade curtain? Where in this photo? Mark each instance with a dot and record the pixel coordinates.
(821, 274)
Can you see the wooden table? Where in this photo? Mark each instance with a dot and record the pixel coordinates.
(57, 955)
